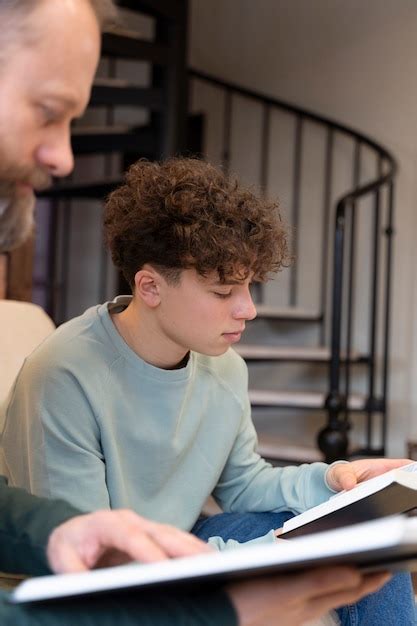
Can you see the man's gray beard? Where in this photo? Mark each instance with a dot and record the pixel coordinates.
(16, 220)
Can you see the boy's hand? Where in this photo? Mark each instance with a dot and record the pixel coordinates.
(347, 475)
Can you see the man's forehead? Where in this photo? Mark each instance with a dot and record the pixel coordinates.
(61, 65)
(29, 22)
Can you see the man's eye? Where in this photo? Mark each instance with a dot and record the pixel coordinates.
(48, 114)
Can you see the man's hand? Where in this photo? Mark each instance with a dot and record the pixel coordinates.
(107, 538)
(293, 599)
(347, 475)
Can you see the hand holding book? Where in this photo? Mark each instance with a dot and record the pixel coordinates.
(345, 476)
(392, 492)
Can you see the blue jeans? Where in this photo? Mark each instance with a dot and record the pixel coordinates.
(393, 605)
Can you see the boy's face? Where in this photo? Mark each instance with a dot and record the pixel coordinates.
(202, 314)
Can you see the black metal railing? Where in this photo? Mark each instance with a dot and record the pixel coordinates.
(337, 299)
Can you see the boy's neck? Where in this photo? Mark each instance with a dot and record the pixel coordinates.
(139, 332)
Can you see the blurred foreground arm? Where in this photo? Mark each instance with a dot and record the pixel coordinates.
(38, 535)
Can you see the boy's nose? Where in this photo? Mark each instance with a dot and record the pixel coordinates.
(246, 309)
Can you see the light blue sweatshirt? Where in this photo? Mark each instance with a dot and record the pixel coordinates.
(91, 422)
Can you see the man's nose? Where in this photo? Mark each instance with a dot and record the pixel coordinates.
(55, 155)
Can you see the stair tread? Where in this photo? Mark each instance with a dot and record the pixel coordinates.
(120, 92)
(101, 130)
(118, 138)
(165, 8)
(94, 189)
(275, 447)
(104, 81)
(290, 313)
(123, 31)
(301, 353)
(300, 399)
(124, 43)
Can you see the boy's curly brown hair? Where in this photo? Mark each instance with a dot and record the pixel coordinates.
(185, 213)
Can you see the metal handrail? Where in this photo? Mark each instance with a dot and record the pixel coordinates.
(297, 110)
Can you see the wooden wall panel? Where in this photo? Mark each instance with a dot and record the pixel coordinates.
(3, 276)
(16, 269)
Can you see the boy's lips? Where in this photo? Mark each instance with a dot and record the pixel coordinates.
(233, 336)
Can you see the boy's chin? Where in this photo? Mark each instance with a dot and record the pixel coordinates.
(218, 351)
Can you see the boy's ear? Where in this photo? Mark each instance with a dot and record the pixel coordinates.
(147, 286)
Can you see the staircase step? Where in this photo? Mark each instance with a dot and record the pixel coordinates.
(124, 43)
(155, 8)
(120, 92)
(255, 352)
(279, 449)
(93, 190)
(92, 139)
(299, 399)
(290, 314)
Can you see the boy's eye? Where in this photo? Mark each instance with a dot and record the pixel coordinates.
(222, 295)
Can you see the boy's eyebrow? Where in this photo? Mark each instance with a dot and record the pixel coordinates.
(229, 281)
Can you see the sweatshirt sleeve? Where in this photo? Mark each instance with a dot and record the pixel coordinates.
(249, 483)
(230, 544)
(50, 415)
(26, 522)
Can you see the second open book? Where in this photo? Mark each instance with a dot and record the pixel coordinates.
(388, 494)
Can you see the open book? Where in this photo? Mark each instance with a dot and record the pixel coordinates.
(388, 494)
(390, 543)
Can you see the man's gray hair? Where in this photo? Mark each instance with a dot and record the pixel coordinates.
(105, 10)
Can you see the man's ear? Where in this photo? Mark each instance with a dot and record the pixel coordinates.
(147, 286)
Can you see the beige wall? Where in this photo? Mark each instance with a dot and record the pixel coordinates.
(356, 62)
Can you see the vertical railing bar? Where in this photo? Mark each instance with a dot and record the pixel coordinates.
(328, 180)
(227, 130)
(351, 277)
(52, 256)
(331, 446)
(266, 122)
(65, 256)
(337, 299)
(257, 289)
(373, 317)
(296, 193)
(389, 231)
(108, 161)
